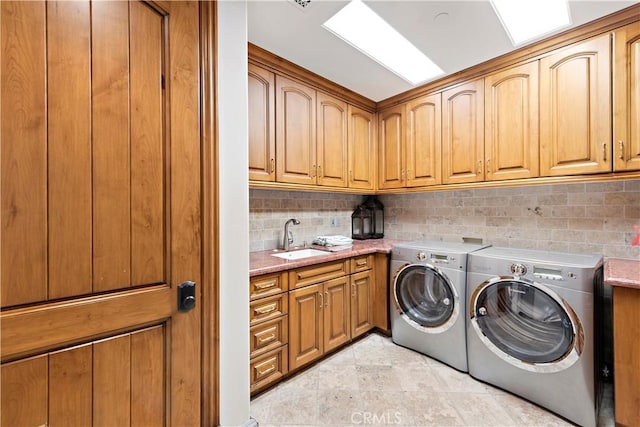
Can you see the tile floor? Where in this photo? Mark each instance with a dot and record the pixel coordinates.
(375, 382)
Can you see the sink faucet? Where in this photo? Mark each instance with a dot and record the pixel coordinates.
(287, 239)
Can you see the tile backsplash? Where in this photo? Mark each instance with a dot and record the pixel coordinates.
(581, 218)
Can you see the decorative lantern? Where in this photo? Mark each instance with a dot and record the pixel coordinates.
(377, 217)
(361, 221)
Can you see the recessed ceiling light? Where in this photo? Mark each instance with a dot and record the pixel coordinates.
(362, 28)
(525, 20)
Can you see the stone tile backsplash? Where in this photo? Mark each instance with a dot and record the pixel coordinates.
(580, 218)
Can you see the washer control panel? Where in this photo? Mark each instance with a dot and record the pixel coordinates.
(539, 272)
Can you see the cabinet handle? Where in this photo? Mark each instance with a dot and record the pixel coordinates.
(402, 174)
(488, 166)
(313, 171)
(479, 167)
(320, 171)
(270, 369)
(321, 300)
(604, 151)
(266, 309)
(621, 146)
(353, 290)
(268, 338)
(266, 285)
(326, 298)
(361, 263)
(273, 166)
(350, 176)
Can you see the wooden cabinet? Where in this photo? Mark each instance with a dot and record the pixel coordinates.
(337, 309)
(361, 302)
(626, 98)
(262, 130)
(295, 132)
(269, 329)
(331, 140)
(391, 147)
(463, 133)
(423, 137)
(306, 325)
(361, 148)
(575, 109)
(511, 123)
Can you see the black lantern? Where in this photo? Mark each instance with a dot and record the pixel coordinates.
(377, 214)
(361, 221)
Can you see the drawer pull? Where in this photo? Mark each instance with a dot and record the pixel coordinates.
(268, 338)
(270, 369)
(621, 145)
(266, 309)
(604, 151)
(266, 285)
(361, 263)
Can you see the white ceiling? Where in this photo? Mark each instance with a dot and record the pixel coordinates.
(467, 34)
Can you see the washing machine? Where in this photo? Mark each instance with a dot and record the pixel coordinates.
(530, 328)
(428, 299)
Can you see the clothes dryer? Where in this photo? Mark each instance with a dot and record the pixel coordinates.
(428, 299)
(530, 327)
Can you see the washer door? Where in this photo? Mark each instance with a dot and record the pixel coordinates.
(526, 324)
(425, 297)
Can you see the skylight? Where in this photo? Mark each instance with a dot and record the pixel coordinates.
(362, 28)
(525, 20)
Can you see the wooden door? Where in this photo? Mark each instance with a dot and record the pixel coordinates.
(262, 129)
(295, 132)
(391, 147)
(337, 308)
(100, 213)
(306, 342)
(463, 133)
(361, 148)
(331, 140)
(511, 123)
(424, 141)
(575, 109)
(361, 303)
(626, 98)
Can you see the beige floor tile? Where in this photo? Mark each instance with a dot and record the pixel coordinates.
(480, 409)
(381, 378)
(338, 377)
(434, 409)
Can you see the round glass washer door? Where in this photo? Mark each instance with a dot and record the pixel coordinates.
(526, 324)
(425, 297)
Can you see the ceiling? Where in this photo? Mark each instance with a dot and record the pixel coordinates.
(455, 34)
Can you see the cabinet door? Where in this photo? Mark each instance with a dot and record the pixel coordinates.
(331, 141)
(511, 123)
(626, 98)
(361, 148)
(391, 147)
(305, 325)
(463, 133)
(575, 107)
(262, 131)
(295, 132)
(361, 301)
(337, 307)
(424, 141)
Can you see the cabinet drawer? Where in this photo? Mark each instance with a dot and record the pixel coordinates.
(268, 308)
(269, 368)
(267, 285)
(361, 263)
(317, 273)
(269, 335)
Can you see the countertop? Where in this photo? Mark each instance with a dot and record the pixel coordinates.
(263, 262)
(622, 272)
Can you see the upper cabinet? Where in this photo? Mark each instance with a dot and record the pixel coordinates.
(262, 130)
(361, 148)
(463, 133)
(295, 132)
(626, 96)
(511, 123)
(423, 141)
(575, 109)
(391, 147)
(331, 141)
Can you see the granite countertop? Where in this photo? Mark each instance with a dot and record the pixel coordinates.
(263, 262)
(622, 272)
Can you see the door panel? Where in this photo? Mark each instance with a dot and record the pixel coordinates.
(361, 303)
(305, 325)
(424, 141)
(336, 313)
(331, 140)
(391, 147)
(101, 199)
(361, 148)
(262, 134)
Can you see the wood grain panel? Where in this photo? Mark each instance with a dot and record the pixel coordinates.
(112, 382)
(424, 141)
(317, 273)
(69, 148)
(24, 392)
(361, 148)
(23, 141)
(70, 322)
(147, 377)
(147, 145)
(110, 135)
(337, 313)
(70, 387)
(362, 301)
(305, 325)
(380, 293)
(262, 130)
(331, 125)
(391, 146)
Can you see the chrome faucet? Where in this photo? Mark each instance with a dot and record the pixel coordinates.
(287, 239)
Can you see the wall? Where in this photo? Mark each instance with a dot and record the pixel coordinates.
(580, 218)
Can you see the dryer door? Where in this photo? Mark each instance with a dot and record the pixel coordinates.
(526, 324)
(425, 297)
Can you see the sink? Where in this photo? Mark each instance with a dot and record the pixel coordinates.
(301, 254)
